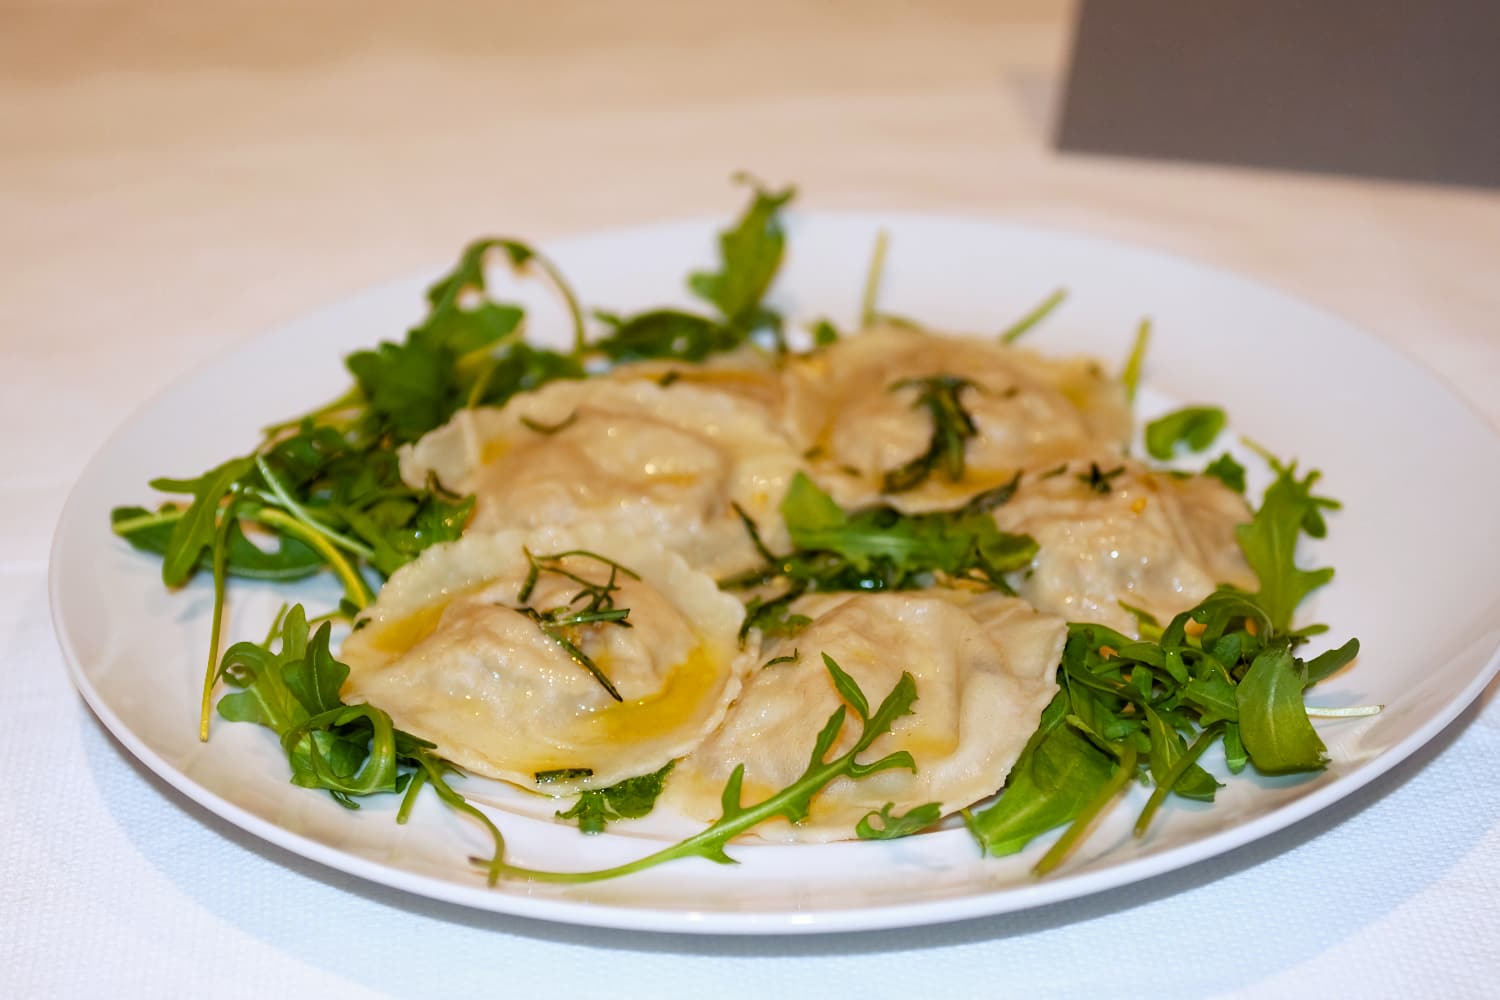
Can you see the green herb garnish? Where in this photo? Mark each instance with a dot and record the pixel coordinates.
(1021, 326)
(631, 798)
(876, 549)
(1099, 481)
(952, 427)
(1225, 670)
(750, 254)
(892, 826)
(1194, 426)
(1130, 375)
(1227, 471)
(593, 604)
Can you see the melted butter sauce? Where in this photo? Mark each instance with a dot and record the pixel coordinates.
(399, 636)
(689, 686)
(402, 634)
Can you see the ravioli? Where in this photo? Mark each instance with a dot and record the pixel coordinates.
(448, 652)
(1124, 533)
(745, 374)
(664, 462)
(850, 414)
(985, 667)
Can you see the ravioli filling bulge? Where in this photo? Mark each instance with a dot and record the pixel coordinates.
(462, 663)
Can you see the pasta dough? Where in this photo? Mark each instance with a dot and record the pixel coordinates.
(666, 463)
(984, 665)
(850, 415)
(1124, 534)
(448, 653)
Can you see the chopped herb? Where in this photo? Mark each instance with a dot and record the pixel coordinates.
(988, 500)
(1098, 480)
(598, 606)
(952, 427)
(631, 798)
(563, 774)
(550, 429)
(795, 656)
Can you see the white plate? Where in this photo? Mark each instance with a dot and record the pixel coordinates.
(1416, 551)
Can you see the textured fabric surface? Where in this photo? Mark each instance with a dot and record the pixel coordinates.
(177, 176)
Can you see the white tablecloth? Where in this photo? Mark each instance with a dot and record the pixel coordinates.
(175, 177)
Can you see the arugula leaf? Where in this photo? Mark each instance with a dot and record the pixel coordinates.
(1269, 542)
(631, 798)
(825, 333)
(895, 548)
(1057, 774)
(664, 333)
(773, 617)
(316, 677)
(289, 684)
(193, 533)
(750, 255)
(1194, 426)
(1224, 669)
(875, 549)
(917, 819)
(1273, 720)
(1331, 661)
(149, 531)
(1227, 471)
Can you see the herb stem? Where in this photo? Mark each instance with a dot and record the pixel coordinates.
(707, 841)
(300, 513)
(1130, 376)
(873, 278)
(1353, 712)
(433, 771)
(1020, 327)
(126, 526)
(1074, 834)
(1176, 771)
(575, 313)
(211, 673)
(350, 399)
(355, 587)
